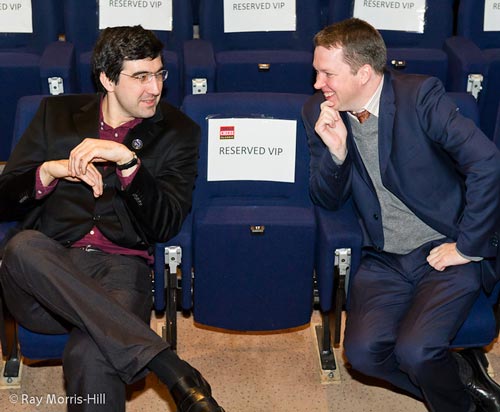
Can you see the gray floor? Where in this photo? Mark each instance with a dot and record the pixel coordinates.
(276, 372)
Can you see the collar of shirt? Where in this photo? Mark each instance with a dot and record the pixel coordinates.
(116, 134)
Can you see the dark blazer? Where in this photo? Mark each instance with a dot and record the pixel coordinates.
(431, 157)
(151, 209)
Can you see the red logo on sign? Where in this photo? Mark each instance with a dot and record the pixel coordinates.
(226, 132)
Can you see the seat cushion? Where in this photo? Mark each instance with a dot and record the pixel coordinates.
(260, 280)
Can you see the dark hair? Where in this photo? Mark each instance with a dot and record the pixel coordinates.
(117, 44)
(361, 43)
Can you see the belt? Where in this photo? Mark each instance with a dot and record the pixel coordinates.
(90, 248)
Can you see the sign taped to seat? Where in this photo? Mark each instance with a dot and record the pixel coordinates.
(150, 14)
(16, 16)
(259, 15)
(399, 15)
(251, 149)
(492, 15)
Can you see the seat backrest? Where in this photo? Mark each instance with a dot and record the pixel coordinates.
(203, 108)
(438, 21)
(308, 23)
(471, 23)
(47, 26)
(25, 111)
(81, 20)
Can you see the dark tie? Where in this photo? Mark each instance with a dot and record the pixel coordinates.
(362, 116)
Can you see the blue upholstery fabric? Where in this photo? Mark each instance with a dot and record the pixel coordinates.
(475, 51)
(82, 29)
(229, 61)
(243, 280)
(422, 52)
(33, 345)
(27, 60)
(337, 229)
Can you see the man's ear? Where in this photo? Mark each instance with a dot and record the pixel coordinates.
(365, 73)
(108, 84)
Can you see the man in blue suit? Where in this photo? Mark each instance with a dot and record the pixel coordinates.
(426, 185)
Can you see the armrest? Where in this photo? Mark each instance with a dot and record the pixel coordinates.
(58, 60)
(159, 277)
(464, 58)
(199, 62)
(335, 230)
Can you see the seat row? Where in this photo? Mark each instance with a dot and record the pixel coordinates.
(249, 46)
(253, 244)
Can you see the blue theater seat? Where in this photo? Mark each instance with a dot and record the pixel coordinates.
(32, 345)
(409, 51)
(82, 30)
(256, 61)
(476, 51)
(253, 240)
(28, 61)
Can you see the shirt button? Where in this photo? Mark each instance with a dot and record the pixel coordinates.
(375, 216)
(92, 232)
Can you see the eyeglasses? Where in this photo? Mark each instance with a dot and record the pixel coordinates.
(145, 78)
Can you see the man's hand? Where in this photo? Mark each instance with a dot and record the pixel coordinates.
(96, 150)
(332, 130)
(58, 169)
(445, 255)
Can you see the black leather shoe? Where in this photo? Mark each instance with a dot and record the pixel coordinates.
(193, 394)
(484, 391)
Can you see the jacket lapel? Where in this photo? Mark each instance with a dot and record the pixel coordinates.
(87, 120)
(387, 111)
(144, 133)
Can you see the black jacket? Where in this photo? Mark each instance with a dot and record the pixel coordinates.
(151, 209)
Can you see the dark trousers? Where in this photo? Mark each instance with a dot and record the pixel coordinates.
(104, 301)
(401, 318)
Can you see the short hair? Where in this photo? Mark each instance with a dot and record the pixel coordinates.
(361, 43)
(118, 44)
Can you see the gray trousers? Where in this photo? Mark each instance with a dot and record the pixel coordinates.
(103, 301)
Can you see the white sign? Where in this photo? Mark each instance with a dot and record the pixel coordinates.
(257, 15)
(251, 149)
(492, 15)
(15, 16)
(150, 14)
(400, 15)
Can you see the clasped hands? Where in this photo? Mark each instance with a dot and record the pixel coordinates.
(79, 167)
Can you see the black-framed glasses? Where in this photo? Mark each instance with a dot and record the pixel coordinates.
(145, 78)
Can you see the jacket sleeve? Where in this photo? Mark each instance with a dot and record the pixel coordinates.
(476, 158)
(329, 183)
(159, 201)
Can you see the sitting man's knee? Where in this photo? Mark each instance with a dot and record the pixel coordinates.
(413, 356)
(363, 355)
(21, 243)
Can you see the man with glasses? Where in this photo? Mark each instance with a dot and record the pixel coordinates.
(96, 181)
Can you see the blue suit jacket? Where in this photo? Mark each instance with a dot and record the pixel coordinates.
(431, 157)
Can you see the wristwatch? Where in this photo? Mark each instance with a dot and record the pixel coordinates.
(129, 164)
